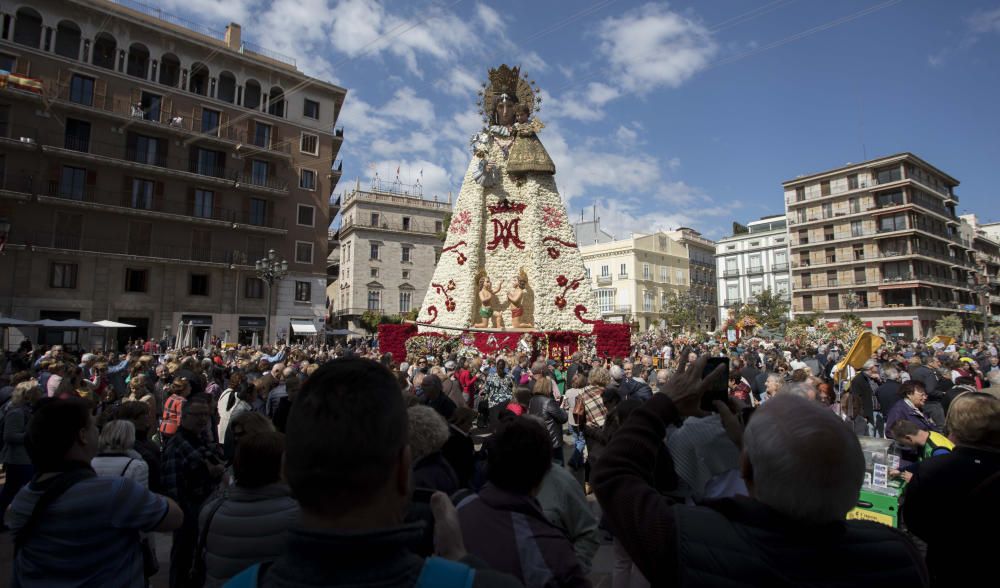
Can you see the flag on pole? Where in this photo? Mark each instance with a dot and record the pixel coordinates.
(421, 172)
(861, 351)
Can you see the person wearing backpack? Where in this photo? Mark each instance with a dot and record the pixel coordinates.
(348, 464)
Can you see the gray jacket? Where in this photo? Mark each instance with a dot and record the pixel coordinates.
(250, 526)
(565, 506)
(15, 427)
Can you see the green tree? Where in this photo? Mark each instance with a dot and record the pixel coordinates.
(768, 308)
(681, 311)
(445, 223)
(949, 326)
(371, 319)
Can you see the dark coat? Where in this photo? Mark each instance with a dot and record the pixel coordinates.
(926, 375)
(951, 504)
(888, 395)
(903, 411)
(554, 417)
(861, 387)
(433, 472)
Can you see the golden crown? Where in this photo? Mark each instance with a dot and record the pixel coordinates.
(513, 83)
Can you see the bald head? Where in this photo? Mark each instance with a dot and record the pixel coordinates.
(801, 460)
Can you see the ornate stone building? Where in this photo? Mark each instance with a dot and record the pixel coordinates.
(147, 162)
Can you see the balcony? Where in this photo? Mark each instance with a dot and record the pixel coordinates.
(603, 280)
(162, 252)
(616, 310)
(159, 161)
(421, 227)
(730, 273)
(731, 302)
(779, 267)
(755, 270)
(160, 204)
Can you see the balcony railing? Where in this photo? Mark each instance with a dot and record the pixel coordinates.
(730, 273)
(162, 158)
(619, 309)
(123, 246)
(394, 225)
(755, 270)
(779, 267)
(731, 302)
(162, 203)
(603, 280)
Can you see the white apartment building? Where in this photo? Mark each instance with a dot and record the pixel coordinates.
(632, 278)
(753, 259)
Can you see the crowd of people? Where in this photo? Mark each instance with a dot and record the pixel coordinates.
(344, 466)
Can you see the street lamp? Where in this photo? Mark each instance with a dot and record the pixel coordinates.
(270, 269)
(983, 289)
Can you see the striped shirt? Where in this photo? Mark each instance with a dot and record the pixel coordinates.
(88, 537)
(593, 404)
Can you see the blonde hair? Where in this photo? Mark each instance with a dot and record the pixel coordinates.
(117, 436)
(599, 377)
(27, 392)
(974, 419)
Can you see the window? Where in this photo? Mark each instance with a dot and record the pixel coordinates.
(830, 254)
(755, 263)
(310, 108)
(859, 275)
(646, 273)
(827, 209)
(405, 255)
(150, 150)
(81, 90)
(586, 272)
(605, 272)
(732, 293)
(832, 302)
(828, 234)
(606, 299)
(647, 301)
(68, 230)
(209, 163)
(889, 198)
(303, 252)
(852, 182)
(756, 288)
(438, 226)
(892, 223)
(755, 243)
(8, 62)
(210, 121)
(259, 172)
(303, 291)
(201, 245)
(373, 272)
(800, 194)
(859, 252)
(262, 135)
(307, 179)
(405, 301)
(306, 216)
(72, 183)
(888, 174)
(664, 274)
(623, 270)
(253, 288)
(374, 218)
(199, 285)
(781, 286)
(309, 144)
(77, 135)
(857, 228)
(375, 300)
(824, 188)
(406, 223)
(679, 276)
(807, 302)
(150, 106)
(204, 200)
(258, 212)
(406, 274)
(373, 254)
(807, 281)
(142, 194)
(135, 280)
(62, 275)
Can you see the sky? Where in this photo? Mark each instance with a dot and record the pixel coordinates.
(659, 114)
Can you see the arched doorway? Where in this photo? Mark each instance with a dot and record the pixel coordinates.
(68, 39)
(170, 70)
(28, 28)
(105, 48)
(276, 102)
(227, 87)
(198, 82)
(251, 94)
(138, 61)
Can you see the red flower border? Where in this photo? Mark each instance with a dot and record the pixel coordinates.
(392, 339)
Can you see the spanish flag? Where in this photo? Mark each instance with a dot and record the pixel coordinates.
(861, 351)
(943, 340)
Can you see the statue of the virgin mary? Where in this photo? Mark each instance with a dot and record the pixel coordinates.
(510, 226)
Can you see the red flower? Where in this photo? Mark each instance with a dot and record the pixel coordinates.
(451, 284)
(553, 252)
(562, 281)
(560, 301)
(576, 284)
(449, 305)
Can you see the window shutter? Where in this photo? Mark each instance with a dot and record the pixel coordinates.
(224, 130)
(158, 196)
(55, 178)
(100, 94)
(136, 95)
(166, 109)
(62, 84)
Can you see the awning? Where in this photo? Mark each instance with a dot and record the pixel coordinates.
(109, 324)
(303, 327)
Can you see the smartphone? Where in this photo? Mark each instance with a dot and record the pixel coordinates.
(718, 386)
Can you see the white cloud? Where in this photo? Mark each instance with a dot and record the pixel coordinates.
(986, 21)
(585, 104)
(461, 83)
(406, 105)
(653, 46)
(533, 63)
(490, 18)
(626, 135)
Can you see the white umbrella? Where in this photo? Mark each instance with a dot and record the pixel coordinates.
(188, 334)
(109, 324)
(13, 322)
(204, 341)
(179, 338)
(113, 325)
(253, 341)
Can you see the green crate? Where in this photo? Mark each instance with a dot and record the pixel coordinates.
(880, 506)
